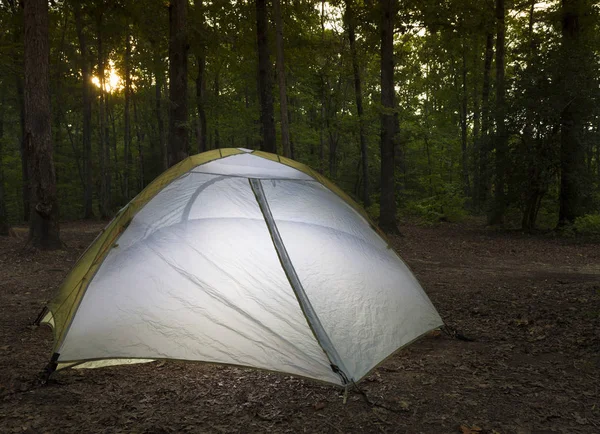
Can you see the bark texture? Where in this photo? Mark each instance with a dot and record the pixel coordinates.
(350, 19)
(127, 118)
(200, 97)
(178, 64)
(496, 215)
(105, 171)
(483, 186)
(43, 222)
(265, 80)
(283, 107)
(572, 155)
(389, 119)
(4, 227)
(86, 98)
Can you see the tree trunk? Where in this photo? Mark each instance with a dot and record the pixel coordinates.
(351, 24)
(387, 216)
(158, 110)
(113, 142)
(4, 226)
(126, 117)
(139, 139)
(217, 114)
(200, 96)
(322, 112)
(533, 190)
(247, 106)
(25, 187)
(285, 126)
(178, 49)
(476, 135)
(573, 78)
(43, 222)
(105, 177)
(86, 114)
(497, 212)
(484, 149)
(265, 80)
(463, 125)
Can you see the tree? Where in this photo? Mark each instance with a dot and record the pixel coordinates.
(17, 66)
(283, 108)
(126, 115)
(86, 111)
(4, 226)
(497, 212)
(178, 63)
(389, 118)
(265, 80)
(573, 79)
(200, 55)
(483, 185)
(350, 20)
(43, 223)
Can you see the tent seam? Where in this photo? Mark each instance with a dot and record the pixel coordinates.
(324, 341)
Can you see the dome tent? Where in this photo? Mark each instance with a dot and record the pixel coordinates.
(243, 258)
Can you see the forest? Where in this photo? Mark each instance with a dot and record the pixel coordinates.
(433, 109)
(467, 130)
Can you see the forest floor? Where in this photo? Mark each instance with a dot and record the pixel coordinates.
(532, 304)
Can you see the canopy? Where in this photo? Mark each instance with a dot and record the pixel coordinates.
(242, 258)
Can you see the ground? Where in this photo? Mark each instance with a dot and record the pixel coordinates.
(532, 304)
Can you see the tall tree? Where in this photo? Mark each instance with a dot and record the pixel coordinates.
(350, 20)
(17, 65)
(283, 108)
(4, 227)
(200, 55)
(126, 115)
(575, 57)
(200, 97)
(265, 80)
(463, 123)
(499, 206)
(43, 223)
(178, 65)
(159, 81)
(103, 127)
(323, 82)
(86, 111)
(483, 185)
(389, 118)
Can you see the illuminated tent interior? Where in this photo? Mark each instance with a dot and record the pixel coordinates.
(242, 258)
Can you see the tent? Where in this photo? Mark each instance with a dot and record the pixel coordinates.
(243, 258)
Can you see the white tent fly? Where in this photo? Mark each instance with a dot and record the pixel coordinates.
(241, 258)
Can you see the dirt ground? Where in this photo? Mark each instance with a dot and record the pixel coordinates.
(532, 304)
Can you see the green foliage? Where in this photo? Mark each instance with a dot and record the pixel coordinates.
(373, 209)
(447, 206)
(437, 45)
(588, 224)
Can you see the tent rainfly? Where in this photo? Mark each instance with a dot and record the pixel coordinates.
(243, 258)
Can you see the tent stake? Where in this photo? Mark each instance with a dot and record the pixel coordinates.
(49, 369)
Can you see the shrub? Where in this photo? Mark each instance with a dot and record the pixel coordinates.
(448, 206)
(589, 224)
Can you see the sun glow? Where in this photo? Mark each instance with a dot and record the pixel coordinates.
(112, 80)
